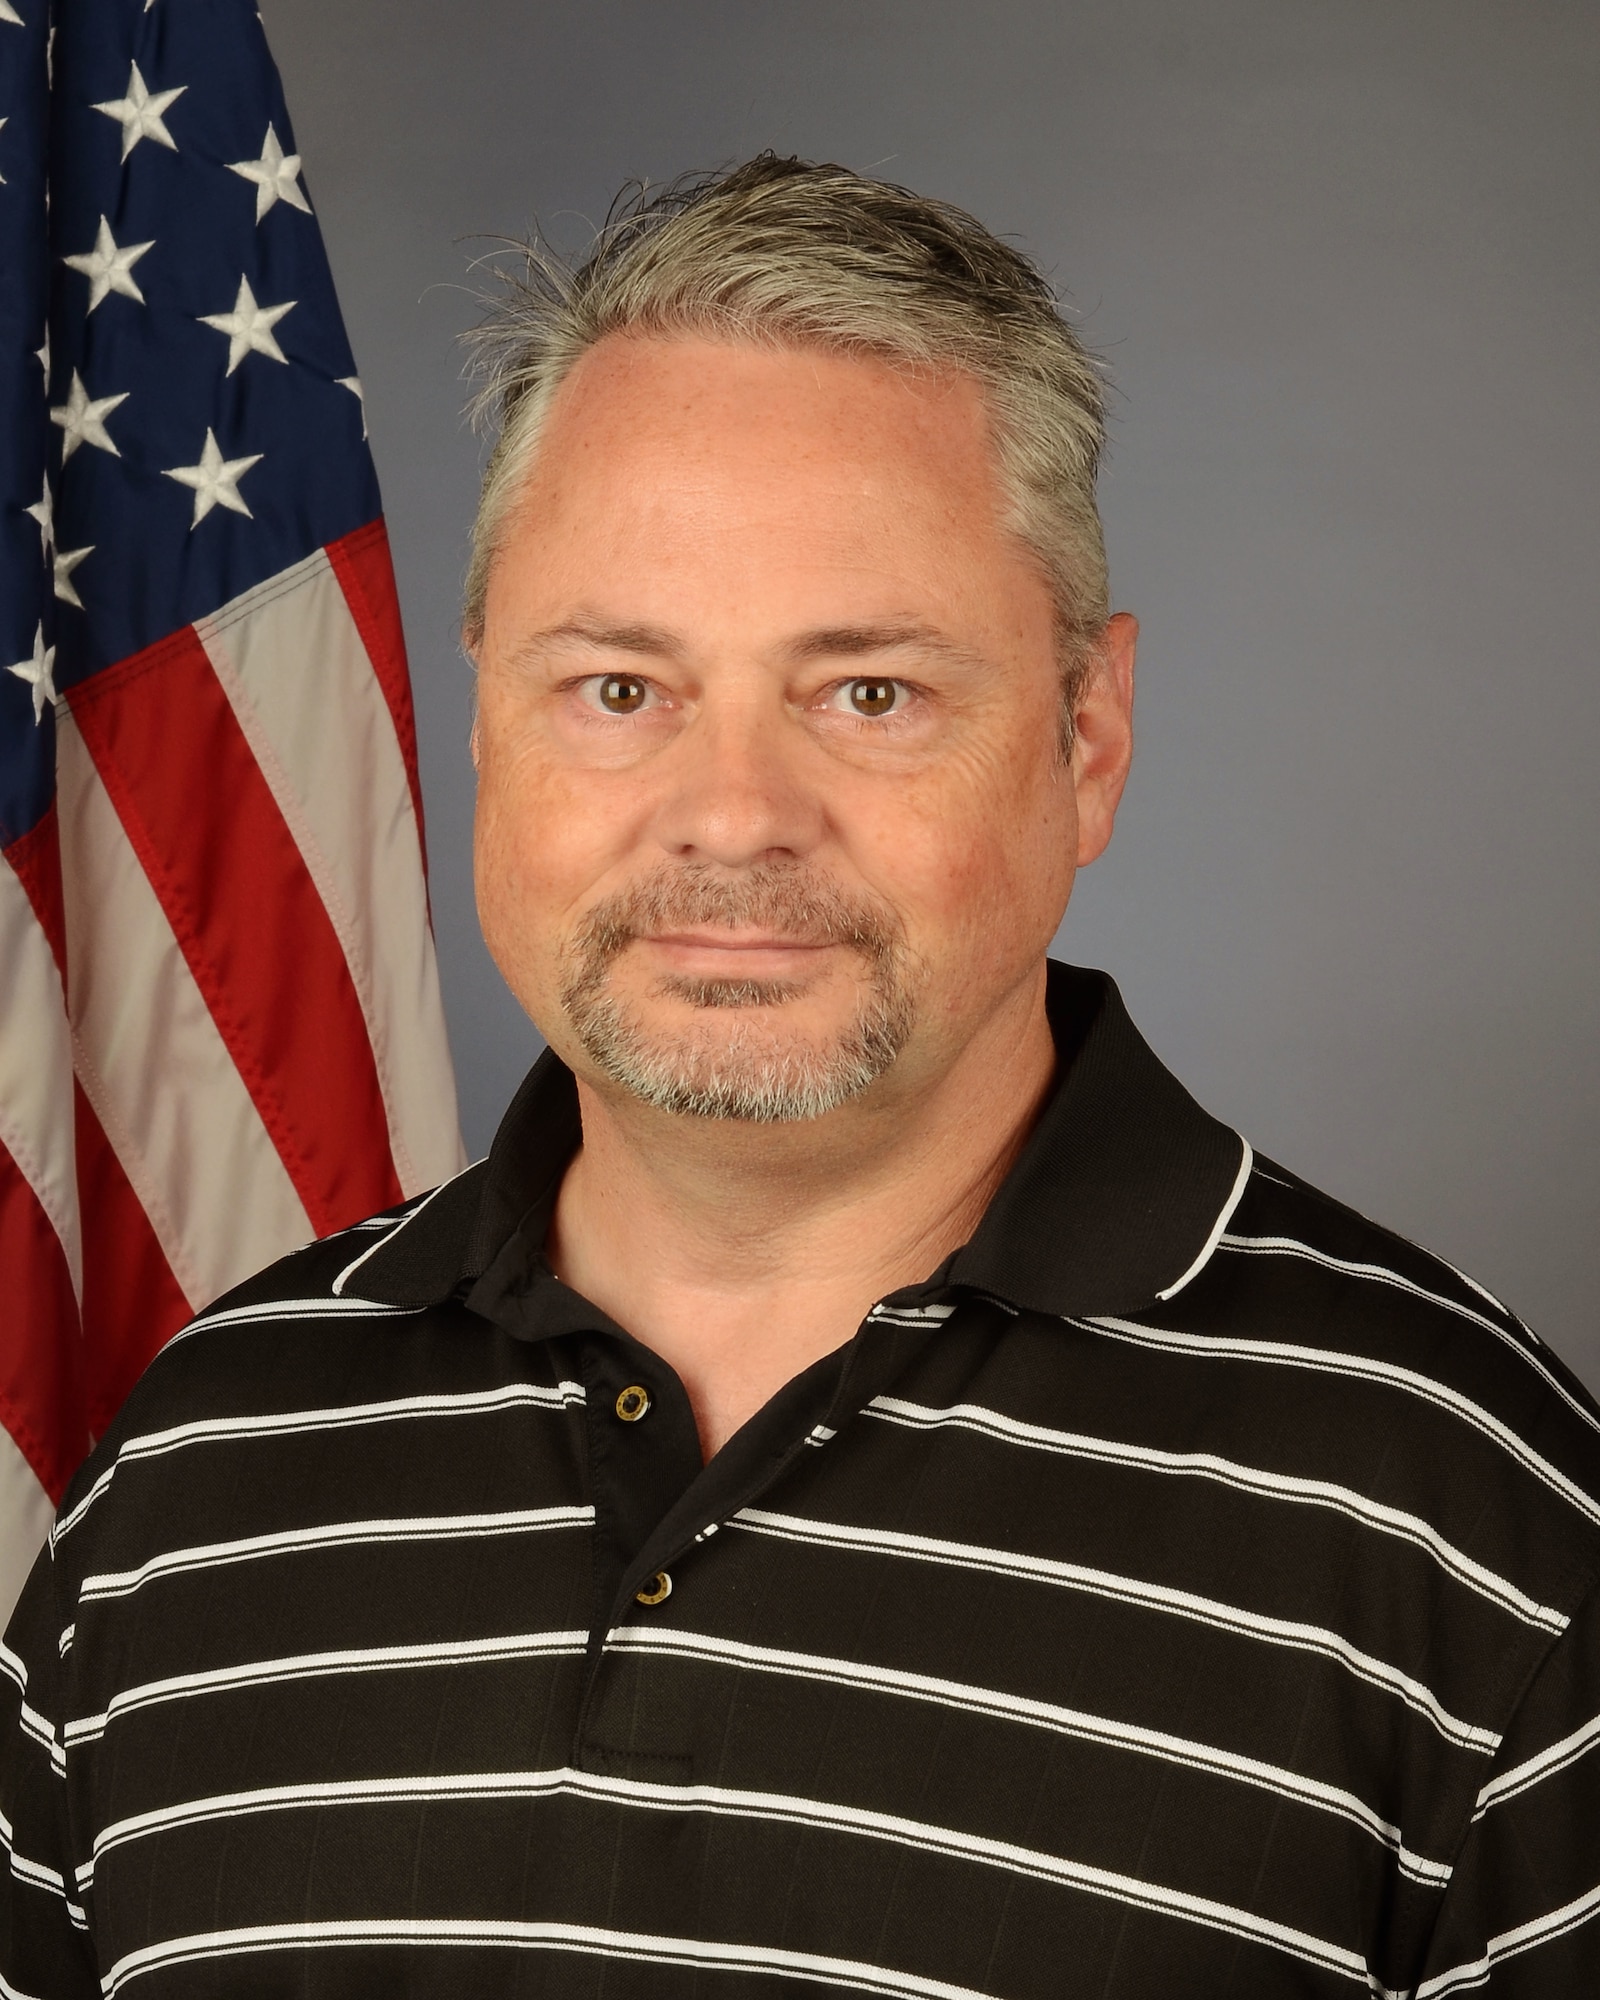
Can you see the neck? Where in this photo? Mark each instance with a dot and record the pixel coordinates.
(742, 1253)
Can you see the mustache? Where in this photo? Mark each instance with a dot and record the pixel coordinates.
(786, 899)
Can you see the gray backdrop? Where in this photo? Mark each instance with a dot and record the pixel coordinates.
(1342, 258)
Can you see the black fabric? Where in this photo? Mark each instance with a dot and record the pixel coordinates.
(1110, 1200)
(1121, 1181)
(1188, 1591)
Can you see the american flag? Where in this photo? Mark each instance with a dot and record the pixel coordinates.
(221, 1030)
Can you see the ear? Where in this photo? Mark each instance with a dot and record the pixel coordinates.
(474, 741)
(1102, 746)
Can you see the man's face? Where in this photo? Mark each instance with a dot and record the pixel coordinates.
(772, 807)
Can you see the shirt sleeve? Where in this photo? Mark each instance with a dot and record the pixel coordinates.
(1521, 1917)
(45, 1950)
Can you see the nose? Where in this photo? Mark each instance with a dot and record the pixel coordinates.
(735, 791)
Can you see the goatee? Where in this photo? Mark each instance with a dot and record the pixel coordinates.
(760, 1069)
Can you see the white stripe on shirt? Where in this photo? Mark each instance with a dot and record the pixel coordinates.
(288, 1423)
(1105, 1730)
(309, 1666)
(638, 1947)
(1359, 1367)
(777, 1807)
(1248, 1478)
(335, 1534)
(1130, 1590)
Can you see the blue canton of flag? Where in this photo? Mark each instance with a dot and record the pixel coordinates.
(195, 368)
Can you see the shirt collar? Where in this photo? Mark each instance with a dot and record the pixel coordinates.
(1116, 1201)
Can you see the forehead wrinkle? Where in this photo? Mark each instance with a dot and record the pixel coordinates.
(861, 641)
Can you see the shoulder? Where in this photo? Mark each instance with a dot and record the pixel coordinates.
(293, 1334)
(1396, 1354)
(1342, 1277)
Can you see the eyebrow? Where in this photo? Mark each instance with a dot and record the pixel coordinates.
(826, 642)
(600, 636)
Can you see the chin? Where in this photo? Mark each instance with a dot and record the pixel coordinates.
(753, 1057)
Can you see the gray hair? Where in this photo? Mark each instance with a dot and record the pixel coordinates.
(790, 254)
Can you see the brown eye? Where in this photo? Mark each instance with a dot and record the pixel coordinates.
(872, 697)
(621, 694)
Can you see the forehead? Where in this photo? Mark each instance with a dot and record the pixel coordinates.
(636, 390)
(663, 461)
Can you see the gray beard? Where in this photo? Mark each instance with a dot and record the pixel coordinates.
(743, 1070)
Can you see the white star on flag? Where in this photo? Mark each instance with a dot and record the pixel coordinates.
(3, 122)
(276, 175)
(41, 354)
(215, 480)
(83, 419)
(353, 384)
(67, 560)
(9, 13)
(38, 673)
(249, 327)
(43, 511)
(109, 269)
(139, 113)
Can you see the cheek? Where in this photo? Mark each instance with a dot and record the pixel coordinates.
(499, 880)
(983, 870)
(536, 851)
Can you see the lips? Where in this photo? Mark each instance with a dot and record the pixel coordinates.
(724, 941)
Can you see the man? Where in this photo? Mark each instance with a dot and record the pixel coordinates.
(868, 1488)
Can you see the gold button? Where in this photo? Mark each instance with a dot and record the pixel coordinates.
(657, 1590)
(633, 1403)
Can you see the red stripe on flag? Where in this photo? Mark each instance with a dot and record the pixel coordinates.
(365, 570)
(41, 1400)
(132, 1304)
(36, 860)
(207, 831)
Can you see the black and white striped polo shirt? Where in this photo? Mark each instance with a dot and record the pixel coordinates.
(1187, 1591)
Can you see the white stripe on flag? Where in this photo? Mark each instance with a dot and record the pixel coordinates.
(25, 1510)
(36, 1123)
(152, 1062)
(292, 664)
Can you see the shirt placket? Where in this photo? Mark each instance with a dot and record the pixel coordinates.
(614, 1736)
